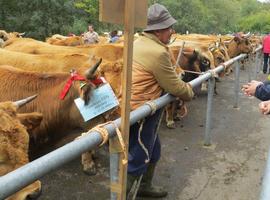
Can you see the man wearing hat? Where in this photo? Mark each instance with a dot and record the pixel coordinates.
(152, 76)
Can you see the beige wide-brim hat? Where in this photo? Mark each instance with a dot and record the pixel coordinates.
(158, 17)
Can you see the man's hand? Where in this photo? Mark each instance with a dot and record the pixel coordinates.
(264, 107)
(250, 88)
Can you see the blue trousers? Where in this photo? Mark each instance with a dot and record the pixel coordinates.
(148, 150)
(265, 62)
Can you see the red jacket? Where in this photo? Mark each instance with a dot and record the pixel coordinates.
(266, 44)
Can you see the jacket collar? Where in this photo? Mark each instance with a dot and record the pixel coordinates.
(153, 37)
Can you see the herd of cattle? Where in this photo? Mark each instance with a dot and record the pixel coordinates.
(29, 67)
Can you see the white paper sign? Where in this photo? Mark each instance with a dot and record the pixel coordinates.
(102, 100)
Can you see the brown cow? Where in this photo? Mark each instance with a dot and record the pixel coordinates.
(47, 63)
(6, 36)
(14, 144)
(111, 70)
(190, 60)
(68, 41)
(110, 52)
(18, 83)
(238, 44)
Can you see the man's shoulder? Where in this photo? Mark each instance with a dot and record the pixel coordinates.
(148, 44)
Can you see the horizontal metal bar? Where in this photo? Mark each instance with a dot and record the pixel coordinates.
(23, 176)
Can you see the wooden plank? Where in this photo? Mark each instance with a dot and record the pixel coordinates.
(126, 88)
(123, 12)
(113, 11)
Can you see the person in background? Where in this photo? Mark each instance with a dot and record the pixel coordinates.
(90, 37)
(266, 51)
(152, 76)
(113, 37)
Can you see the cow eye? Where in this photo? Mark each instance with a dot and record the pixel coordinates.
(220, 59)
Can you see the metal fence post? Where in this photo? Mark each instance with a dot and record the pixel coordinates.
(114, 165)
(236, 84)
(211, 86)
(265, 193)
(261, 62)
(257, 64)
(249, 70)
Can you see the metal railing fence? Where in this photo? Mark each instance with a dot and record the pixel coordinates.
(25, 175)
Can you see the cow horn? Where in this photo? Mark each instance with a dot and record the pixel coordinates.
(22, 102)
(212, 47)
(172, 41)
(247, 35)
(90, 72)
(22, 34)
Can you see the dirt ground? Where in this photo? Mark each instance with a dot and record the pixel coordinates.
(230, 169)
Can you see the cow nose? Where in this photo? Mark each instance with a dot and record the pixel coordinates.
(206, 62)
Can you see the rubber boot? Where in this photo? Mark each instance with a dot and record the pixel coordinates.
(147, 189)
(264, 69)
(130, 180)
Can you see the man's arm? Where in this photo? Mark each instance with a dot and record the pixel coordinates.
(249, 89)
(169, 81)
(263, 91)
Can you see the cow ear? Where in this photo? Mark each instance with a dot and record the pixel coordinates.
(117, 67)
(237, 39)
(30, 120)
(196, 52)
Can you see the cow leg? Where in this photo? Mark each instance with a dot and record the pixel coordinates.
(228, 70)
(170, 108)
(31, 191)
(204, 87)
(215, 89)
(88, 163)
(181, 110)
(176, 113)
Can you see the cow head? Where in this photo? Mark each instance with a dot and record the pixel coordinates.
(239, 44)
(217, 54)
(111, 71)
(190, 60)
(4, 35)
(204, 62)
(16, 35)
(193, 60)
(243, 44)
(14, 145)
(87, 87)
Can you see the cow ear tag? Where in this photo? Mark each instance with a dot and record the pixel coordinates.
(102, 99)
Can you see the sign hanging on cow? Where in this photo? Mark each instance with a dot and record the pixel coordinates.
(102, 100)
(112, 11)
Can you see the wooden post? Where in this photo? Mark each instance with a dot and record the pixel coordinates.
(126, 88)
(123, 12)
